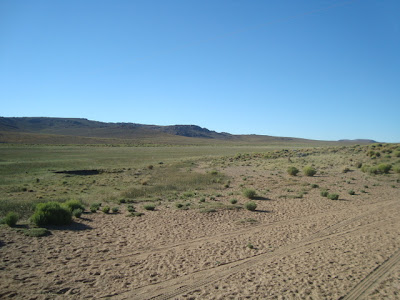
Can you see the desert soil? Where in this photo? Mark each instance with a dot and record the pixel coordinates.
(303, 248)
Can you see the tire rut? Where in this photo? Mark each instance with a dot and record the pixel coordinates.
(365, 286)
(184, 284)
(195, 242)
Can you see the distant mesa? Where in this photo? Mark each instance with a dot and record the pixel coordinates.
(83, 131)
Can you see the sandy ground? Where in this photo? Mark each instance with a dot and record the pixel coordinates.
(306, 248)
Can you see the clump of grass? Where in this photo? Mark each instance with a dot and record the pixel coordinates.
(73, 205)
(292, 171)
(36, 232)
(233, 201)
(249, 193)
(135, 214)
(250, 206)
(250, 246)
(130, 208)
(106, 209)
(324, 193)
(352, 192)
(314, 186)
(333, 196)
(202, 200)
(10, 219)
(178, 205)
(208, 210)
(77, 212)
(115, 210)
(384, 168)
(51, 213)
(346, 170)
(309, 171)
(94, 207)
(359, 165)
(149, 207)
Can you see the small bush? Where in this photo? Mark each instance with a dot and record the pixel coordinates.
(314, 186)
(150, 167)
(249, 193)
(94, 207)
(51, 213)
(397, 154)
(333, 196)
(324, 193)
(178, 205)
(77, 212)
(250, 246)
(11, 219)
(309, 171)
(149, 207)
(233, 201)
(250, 206)
(131, 209)
(202, 200)
(36, 232)
(351, 192)
(292, 171)
(115, 210)
(135, 214)
(106, 209)
(384, 168)
(359, 165)
(73, 205)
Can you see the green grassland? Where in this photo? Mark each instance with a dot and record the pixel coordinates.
(30, 174)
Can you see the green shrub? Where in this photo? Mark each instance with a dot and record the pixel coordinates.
(36, 232)
(233, 201)
(250, 206)
(333, 196)
(149, 207)
(178, 205)
(202, 200)
(106, 209)
(314, 186)
(250, 246)
(115, 210)
(292, 171)
(94, 207)
(384, 168)
(77, 212)
(397, 154)
(135, 214)
(73, 205)
(309, 171)
(11, 219)
(249, 193)
(51, 213)
(351, 192)
(131, 209)
(324, 193)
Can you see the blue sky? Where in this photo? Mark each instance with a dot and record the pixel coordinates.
(313, 69)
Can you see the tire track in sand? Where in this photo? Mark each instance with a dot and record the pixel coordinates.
(365, 286)
(191, 282)
(198, 241)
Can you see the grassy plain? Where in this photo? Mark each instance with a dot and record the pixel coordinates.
(193, 230)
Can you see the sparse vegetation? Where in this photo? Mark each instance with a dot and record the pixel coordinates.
(77, 212)
(309, 171)
(51, 213)
(352, 192)
(333, 196)
(249, 193)
(11, 219)
(250, 206)
(292, 171)
(105, 209)
(149, 206)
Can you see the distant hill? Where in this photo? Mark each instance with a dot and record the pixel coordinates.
(83, 131)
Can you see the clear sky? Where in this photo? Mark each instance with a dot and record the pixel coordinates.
(313, 69)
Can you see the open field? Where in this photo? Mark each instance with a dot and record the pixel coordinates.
(200, 242)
